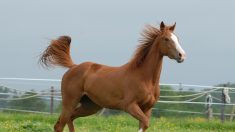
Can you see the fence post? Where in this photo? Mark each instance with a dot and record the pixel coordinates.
(225, 99)
(222, 106)
(232, 113)
(52, 100)
(180, 87)
(209, 110)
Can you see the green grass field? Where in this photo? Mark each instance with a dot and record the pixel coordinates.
(19, 122)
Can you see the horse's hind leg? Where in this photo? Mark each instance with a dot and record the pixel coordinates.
(68, 106)
(85, 108)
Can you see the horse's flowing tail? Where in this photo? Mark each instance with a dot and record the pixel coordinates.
(57, 53)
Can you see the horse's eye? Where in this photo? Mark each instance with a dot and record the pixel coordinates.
(166, 39)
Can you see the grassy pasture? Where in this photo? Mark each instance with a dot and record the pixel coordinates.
(21, 122)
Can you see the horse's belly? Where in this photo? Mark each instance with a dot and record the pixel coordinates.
(104, 93)
(105, 100)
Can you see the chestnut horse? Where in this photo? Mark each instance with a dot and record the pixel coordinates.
(133, 87)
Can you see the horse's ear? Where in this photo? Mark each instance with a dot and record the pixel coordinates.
(172, 28)
(162, 26)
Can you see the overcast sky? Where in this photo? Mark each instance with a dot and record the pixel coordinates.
(107, 32)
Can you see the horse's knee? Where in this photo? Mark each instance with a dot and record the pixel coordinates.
(144, 125)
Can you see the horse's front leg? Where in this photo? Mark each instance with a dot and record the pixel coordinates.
(148, 113)
(137, 113)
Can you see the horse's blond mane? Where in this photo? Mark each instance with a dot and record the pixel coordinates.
(149, 34)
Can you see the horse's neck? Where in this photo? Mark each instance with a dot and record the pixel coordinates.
(152, 66)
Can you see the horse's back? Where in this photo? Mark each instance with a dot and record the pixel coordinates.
(77, 74)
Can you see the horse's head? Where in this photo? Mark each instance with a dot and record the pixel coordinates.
(169, 44)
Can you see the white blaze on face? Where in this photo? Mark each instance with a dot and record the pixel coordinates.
(177, 45)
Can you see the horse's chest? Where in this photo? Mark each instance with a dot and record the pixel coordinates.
(149, 97)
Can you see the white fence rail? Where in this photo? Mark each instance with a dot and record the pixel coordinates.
(56, 95)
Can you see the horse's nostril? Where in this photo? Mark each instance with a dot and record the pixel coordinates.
(180, 55)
